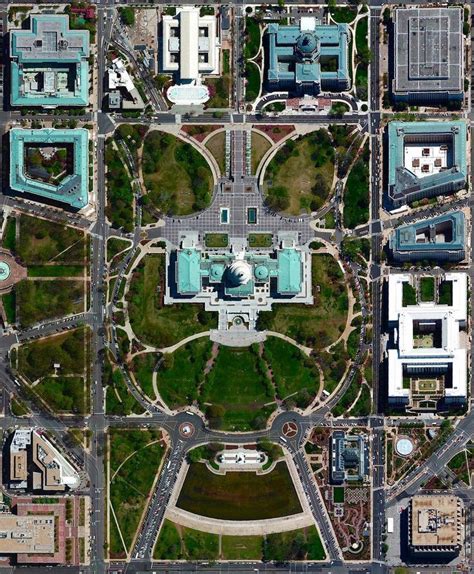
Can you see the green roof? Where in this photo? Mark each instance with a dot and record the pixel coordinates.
(189, 271)
(289, 272)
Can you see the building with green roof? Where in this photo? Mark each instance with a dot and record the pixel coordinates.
(49, 63)
(72, 186)
(238, 283)
(425, 159)
(441, 238)
(308, 58)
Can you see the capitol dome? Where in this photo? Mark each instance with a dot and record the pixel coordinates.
(239, 272)
(307, 44)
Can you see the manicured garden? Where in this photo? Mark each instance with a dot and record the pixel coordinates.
(239, 495)
(427, 289)
(237, 388)
(135, 457)
(356, 191)
(152, 321)
(177, 177)
(300, 175)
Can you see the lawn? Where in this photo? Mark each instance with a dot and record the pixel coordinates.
(153, 322)
(260, 146)
(427, 289)
(459, 465)
(55, 271)
(142, 367)
(408, 295)
(216, 240)
(119, 401)
(9, 306)
(363, 406)
(239, 403)
(119, 208)
(343, 14)
(361, 35)
(299, 177)
(356, 191)
(252, 37)
(177, 542)
(242, 547)
(295, 375)
(362, 80)
(239, 495)
(9, 236)
(445, 295)
(304, 544)
(36, 359)
(63, 394)
(131, 484)
(41, 241)
(252, 75)
(316, 325)
(338, 494)
(216, 145)
(176, 175)
(115, 246)
(348, 397)
(40, 300)
(180, 373)
(259, 240)
(220, 88)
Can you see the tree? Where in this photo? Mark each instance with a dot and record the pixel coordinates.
(127, 15)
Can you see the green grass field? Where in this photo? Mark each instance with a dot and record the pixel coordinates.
(252, 37)
(118, 400)
(252, 76)
(36, 359)
(356, 192)
(176, 175)
(294, 373)
(40, 300)
(131, 482)
(119, 208)
(239, 495)
(115, 246)
(427, 289)
(320, 324)
(299, 177)
(180, 543)
(55, 271)
(63, 394)
(153, 322)
(41, 241)
(142, 367)
(238, 385)
(176, 542)
(181, 373)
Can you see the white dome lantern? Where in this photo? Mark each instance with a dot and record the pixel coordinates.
(239, 272)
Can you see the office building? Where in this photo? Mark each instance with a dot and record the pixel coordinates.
(438, 239)
(32, 153)
(427, 355)
(435, 524)
(425, 159)
(349, 457)
(49, 63)
(190, 50)
(308, 58)
(428, 55)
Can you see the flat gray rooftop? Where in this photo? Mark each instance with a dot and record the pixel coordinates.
(429, 55)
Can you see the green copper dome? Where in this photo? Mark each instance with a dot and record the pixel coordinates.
(307, 44)
(261, 272)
